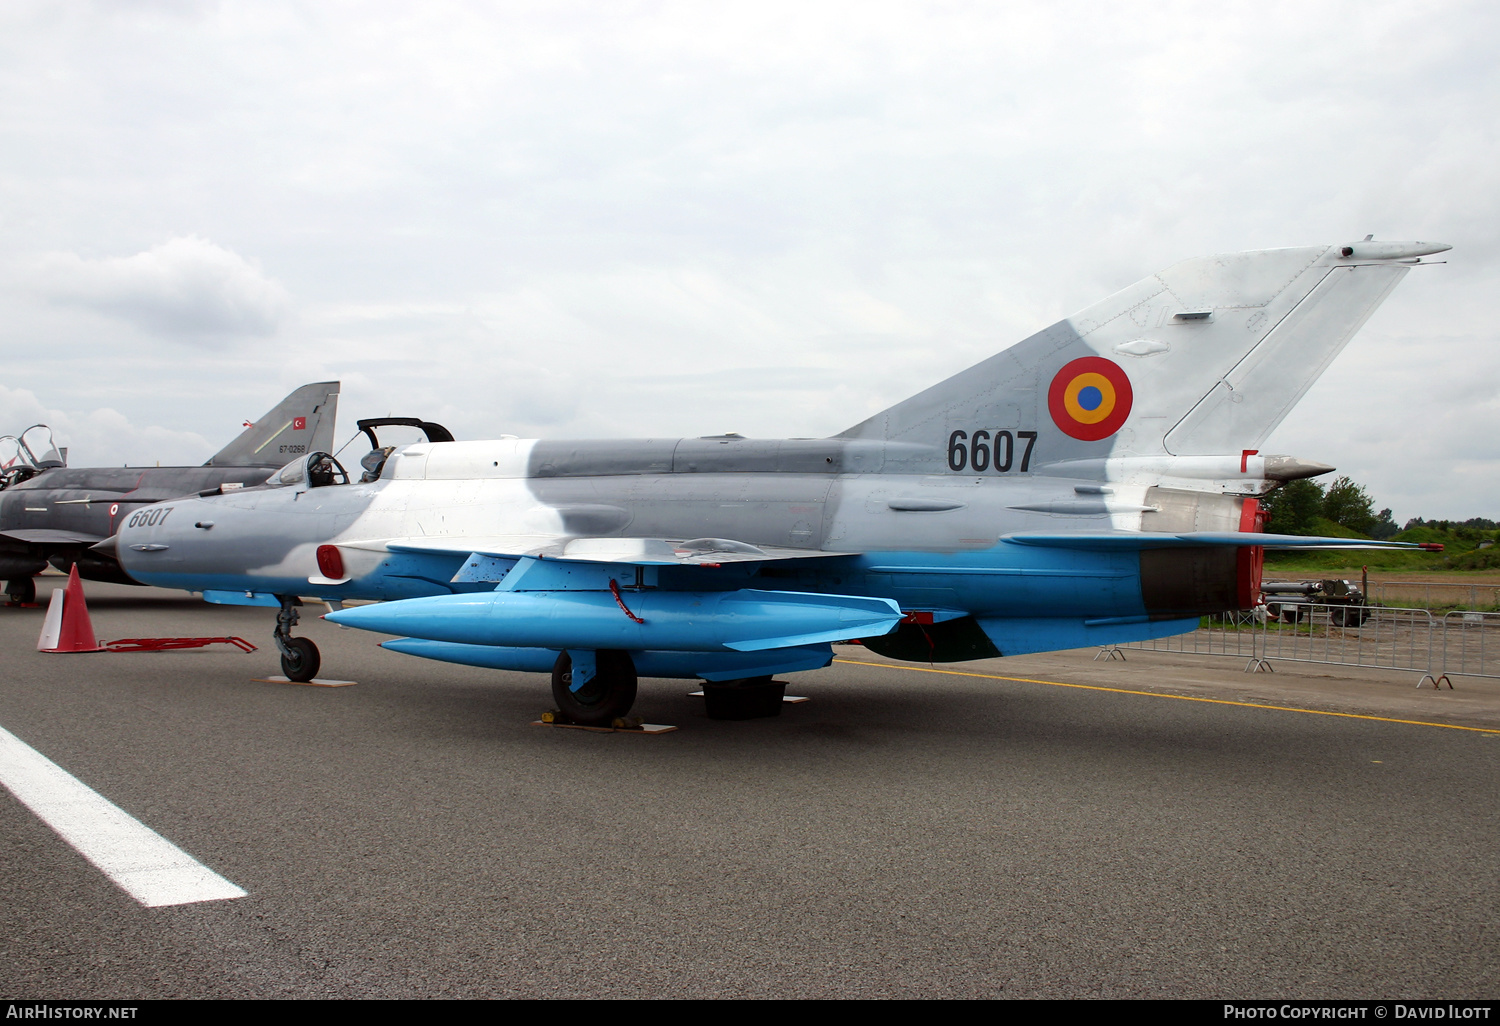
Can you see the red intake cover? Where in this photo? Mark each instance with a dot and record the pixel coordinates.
(330, 562)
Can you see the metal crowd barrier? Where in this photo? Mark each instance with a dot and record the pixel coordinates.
(1471, 643)
(1473, 596)
(1438, 647)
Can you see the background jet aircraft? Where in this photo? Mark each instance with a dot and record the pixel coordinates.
(53, 513)
(1095, 483)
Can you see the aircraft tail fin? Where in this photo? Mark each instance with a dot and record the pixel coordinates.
(300, 423)
(1204, 358)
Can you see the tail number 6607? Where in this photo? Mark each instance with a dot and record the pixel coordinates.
(983, 452)
(149, 517)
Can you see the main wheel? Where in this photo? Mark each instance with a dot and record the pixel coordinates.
(303, 663)
(21, 591)
(1348, 616)
(599, 702)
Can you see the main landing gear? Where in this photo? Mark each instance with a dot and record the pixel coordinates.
(299, 656)
(603, 692)
(20, 591)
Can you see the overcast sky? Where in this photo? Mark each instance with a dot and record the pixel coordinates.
(631, 219)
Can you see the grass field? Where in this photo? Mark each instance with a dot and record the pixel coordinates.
(1465, 575)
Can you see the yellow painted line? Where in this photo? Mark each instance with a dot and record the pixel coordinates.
(1158, 694)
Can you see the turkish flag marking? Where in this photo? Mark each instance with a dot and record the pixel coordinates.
(299, 423)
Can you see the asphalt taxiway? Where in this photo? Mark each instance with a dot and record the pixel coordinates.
(1036, 827)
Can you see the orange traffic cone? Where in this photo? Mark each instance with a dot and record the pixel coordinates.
(67, 627)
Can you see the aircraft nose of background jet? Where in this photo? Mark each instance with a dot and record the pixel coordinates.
(110, 548)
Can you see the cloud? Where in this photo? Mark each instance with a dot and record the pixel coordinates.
(774, 217)
(186, 288)
(101, 437)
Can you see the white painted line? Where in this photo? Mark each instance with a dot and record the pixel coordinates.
(147, 866)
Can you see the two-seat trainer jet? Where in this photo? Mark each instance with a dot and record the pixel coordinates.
(53, 513)
(1096, 483)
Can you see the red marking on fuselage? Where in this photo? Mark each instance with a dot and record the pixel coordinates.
(1251, 559)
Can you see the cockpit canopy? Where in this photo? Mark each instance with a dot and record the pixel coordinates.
(318, 469)
(374, 461)
(11, 454)
(27, 455)
(37, 443)
(315, 470)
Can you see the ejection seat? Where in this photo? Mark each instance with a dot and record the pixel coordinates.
(315, 470)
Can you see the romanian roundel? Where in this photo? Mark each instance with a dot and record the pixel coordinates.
(1089, 398)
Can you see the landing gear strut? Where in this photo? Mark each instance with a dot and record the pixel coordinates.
(299, 656)
(602, 698)
(20, 591)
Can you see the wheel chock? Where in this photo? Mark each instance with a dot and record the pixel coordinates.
(631, 725)
(316, 682)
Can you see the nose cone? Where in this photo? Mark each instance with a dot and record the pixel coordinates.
(148, 540)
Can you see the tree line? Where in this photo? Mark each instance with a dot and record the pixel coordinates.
(1342, 508)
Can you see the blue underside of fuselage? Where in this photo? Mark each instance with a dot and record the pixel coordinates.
(1026, 598)
(1004, 581)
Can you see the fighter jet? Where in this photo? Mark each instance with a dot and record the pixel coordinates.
(51, 513)
(1096, 483)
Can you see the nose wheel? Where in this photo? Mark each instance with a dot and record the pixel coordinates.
(300, 660)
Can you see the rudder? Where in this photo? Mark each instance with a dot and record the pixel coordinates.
(303, 422)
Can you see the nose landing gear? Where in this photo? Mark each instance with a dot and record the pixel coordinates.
(300, 660)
